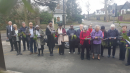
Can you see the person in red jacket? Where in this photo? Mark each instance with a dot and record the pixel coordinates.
(85, 42)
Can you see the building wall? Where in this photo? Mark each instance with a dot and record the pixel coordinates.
(58, 15)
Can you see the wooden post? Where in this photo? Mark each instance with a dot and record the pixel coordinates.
(2, 61)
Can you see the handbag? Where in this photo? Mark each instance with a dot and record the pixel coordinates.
(66, 38)
(45, 39)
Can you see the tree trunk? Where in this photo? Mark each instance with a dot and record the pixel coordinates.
(25, 16)
(105, 6)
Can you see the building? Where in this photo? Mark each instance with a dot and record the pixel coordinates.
(58, 13)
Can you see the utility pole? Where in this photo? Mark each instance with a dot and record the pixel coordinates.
(105, 6)
(63, 13)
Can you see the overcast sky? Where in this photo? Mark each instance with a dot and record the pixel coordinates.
(96, 4)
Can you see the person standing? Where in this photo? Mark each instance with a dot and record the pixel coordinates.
(96, 37)
(112, 40)
(90, 29)
(40, 40)
(85, 42)
(72, 37)
(78, 37)
(128, 53)
(60, 33)
(24, 37)
(104, 33)
(122, 44)
(30, 36)
(17, 39)
(9, 30)
(50, 37)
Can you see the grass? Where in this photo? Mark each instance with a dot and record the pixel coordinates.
(124, 22)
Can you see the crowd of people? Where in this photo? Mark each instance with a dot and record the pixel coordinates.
(85, 38)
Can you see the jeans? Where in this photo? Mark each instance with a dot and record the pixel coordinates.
(33, 42)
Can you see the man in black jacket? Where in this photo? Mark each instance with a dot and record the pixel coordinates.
(9, 31)
(112, 40)
(104, 39)
(24, 38)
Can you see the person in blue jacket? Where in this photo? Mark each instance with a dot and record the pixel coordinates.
(71, 32)
(78, 36)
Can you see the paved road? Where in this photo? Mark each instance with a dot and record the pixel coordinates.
(69, 63)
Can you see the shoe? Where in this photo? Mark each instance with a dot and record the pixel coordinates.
(113, 57)
(24, 50)
(73, 52)
(69, 52)
(102, 56)
(88, 58)
(35, 53)
(82, 58)
(17, 53)
(127, 64)
(11, 50)
(38, 55)
(31, 53)
(20, 54)
(108, 56)
(42, 54)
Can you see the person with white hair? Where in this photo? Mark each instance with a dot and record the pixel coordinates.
(9, 30)
(97, 39)
(112, 40)
(17, 39)
(85, 42)
(24, 39)
(40, 39)
(78, 36)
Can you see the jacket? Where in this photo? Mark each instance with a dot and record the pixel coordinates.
(27, 32)
(96, 34)
(9, 32)
(14, 35)
(23, 29)
(78, 33)
(40, 38)
(69, 32)
(83, 35)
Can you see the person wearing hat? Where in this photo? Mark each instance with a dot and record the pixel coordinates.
(104, 33)
(39, 39)
(72, 38)
(50, 32)
(85, 42)
(60, 33)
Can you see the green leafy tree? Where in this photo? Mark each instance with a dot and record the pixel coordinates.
(45, 17)
(73, 11)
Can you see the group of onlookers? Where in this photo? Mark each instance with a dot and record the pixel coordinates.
(86, 38)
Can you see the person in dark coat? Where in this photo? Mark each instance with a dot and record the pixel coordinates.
(122, 44)
(112, 40)
(24, 38)
(9, 30)
(17, 39)
(60, 33)
(72, 37)
(31, 37)
(78, 37)
(128, 51)
(104, 33)
(50, 32)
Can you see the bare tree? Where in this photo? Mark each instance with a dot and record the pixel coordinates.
(88, 8)
(106, 4)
